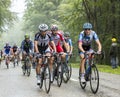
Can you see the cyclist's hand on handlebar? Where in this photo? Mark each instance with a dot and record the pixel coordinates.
(98, 52)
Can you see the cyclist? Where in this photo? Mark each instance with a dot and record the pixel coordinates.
(58, 39)
(7, 49)
(7, 52)
(68, 43)
(84, 45)
(15, 50)
(42, 46)
(27, 47)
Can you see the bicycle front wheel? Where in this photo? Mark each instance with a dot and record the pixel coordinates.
(47, 80)
(59, 75)
(83, 85)
(65, 73)
(94, 79)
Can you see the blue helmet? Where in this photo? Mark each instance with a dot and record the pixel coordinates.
(87, 26)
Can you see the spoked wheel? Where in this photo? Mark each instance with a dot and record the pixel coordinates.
(6, 62)
(70, 70)
(28, 67)
(28, 70)
(41, 79)
(59, 75)
(83, 85)
(47, 80)
(24, 69)
(94, 79)
(54, 71)
(65, 73)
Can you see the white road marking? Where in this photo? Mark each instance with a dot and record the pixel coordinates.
(74, 80)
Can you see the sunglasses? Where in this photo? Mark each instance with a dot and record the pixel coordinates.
(87, 29)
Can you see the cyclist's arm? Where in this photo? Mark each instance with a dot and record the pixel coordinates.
(95, 37)
(36, 46)
(99, 45)
(80, 47)
(71, 47)
(80, 43)
(53, 45)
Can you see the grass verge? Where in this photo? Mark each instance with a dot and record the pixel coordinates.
(102, 68)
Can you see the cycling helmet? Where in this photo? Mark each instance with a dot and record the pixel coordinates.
(67, 34)
(113, 39)
(27, 36)
(7, 43)
(87, 26)
(54, 28)
(43, 27)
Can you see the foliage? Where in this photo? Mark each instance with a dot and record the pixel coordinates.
(6, 16)
(70, 15)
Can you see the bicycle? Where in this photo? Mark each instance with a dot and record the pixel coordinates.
(15, 60)
(67, 69)
(58, 69)
(45, 73)
(27, 65)
(91, 73)
(7, 60)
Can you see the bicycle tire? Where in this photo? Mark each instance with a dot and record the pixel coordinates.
(94, 71)
(70, 70)
(65, 73)
(54, 71)
(47, 81)
(41, 80)
(59, 75)
(83, 85)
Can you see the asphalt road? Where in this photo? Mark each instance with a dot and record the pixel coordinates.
(14, 84)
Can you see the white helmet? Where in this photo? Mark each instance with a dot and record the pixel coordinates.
(43, 27)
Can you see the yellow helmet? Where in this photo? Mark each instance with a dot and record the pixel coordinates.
(113, 39)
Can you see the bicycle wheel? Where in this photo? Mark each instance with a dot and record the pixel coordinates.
(70, 70)
(65, 73)
(54, 71)
(94, 79)
(59, 75)
(47, 80)
(24, 69)
(41, 79)
(83, 85)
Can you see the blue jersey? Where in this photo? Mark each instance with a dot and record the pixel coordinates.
(7, 49)
(87, 39)
(69, 41)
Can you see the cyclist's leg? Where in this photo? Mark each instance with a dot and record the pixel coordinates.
(38, 70)
(82, 67)
(50, 59)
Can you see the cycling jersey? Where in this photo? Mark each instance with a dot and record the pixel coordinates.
(15, 48)
(87, 39)
(7, 49)
(27, 46)
(43, 42)
(57, 40)
(69, 41)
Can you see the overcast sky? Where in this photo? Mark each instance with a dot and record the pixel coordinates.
(18, 6)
